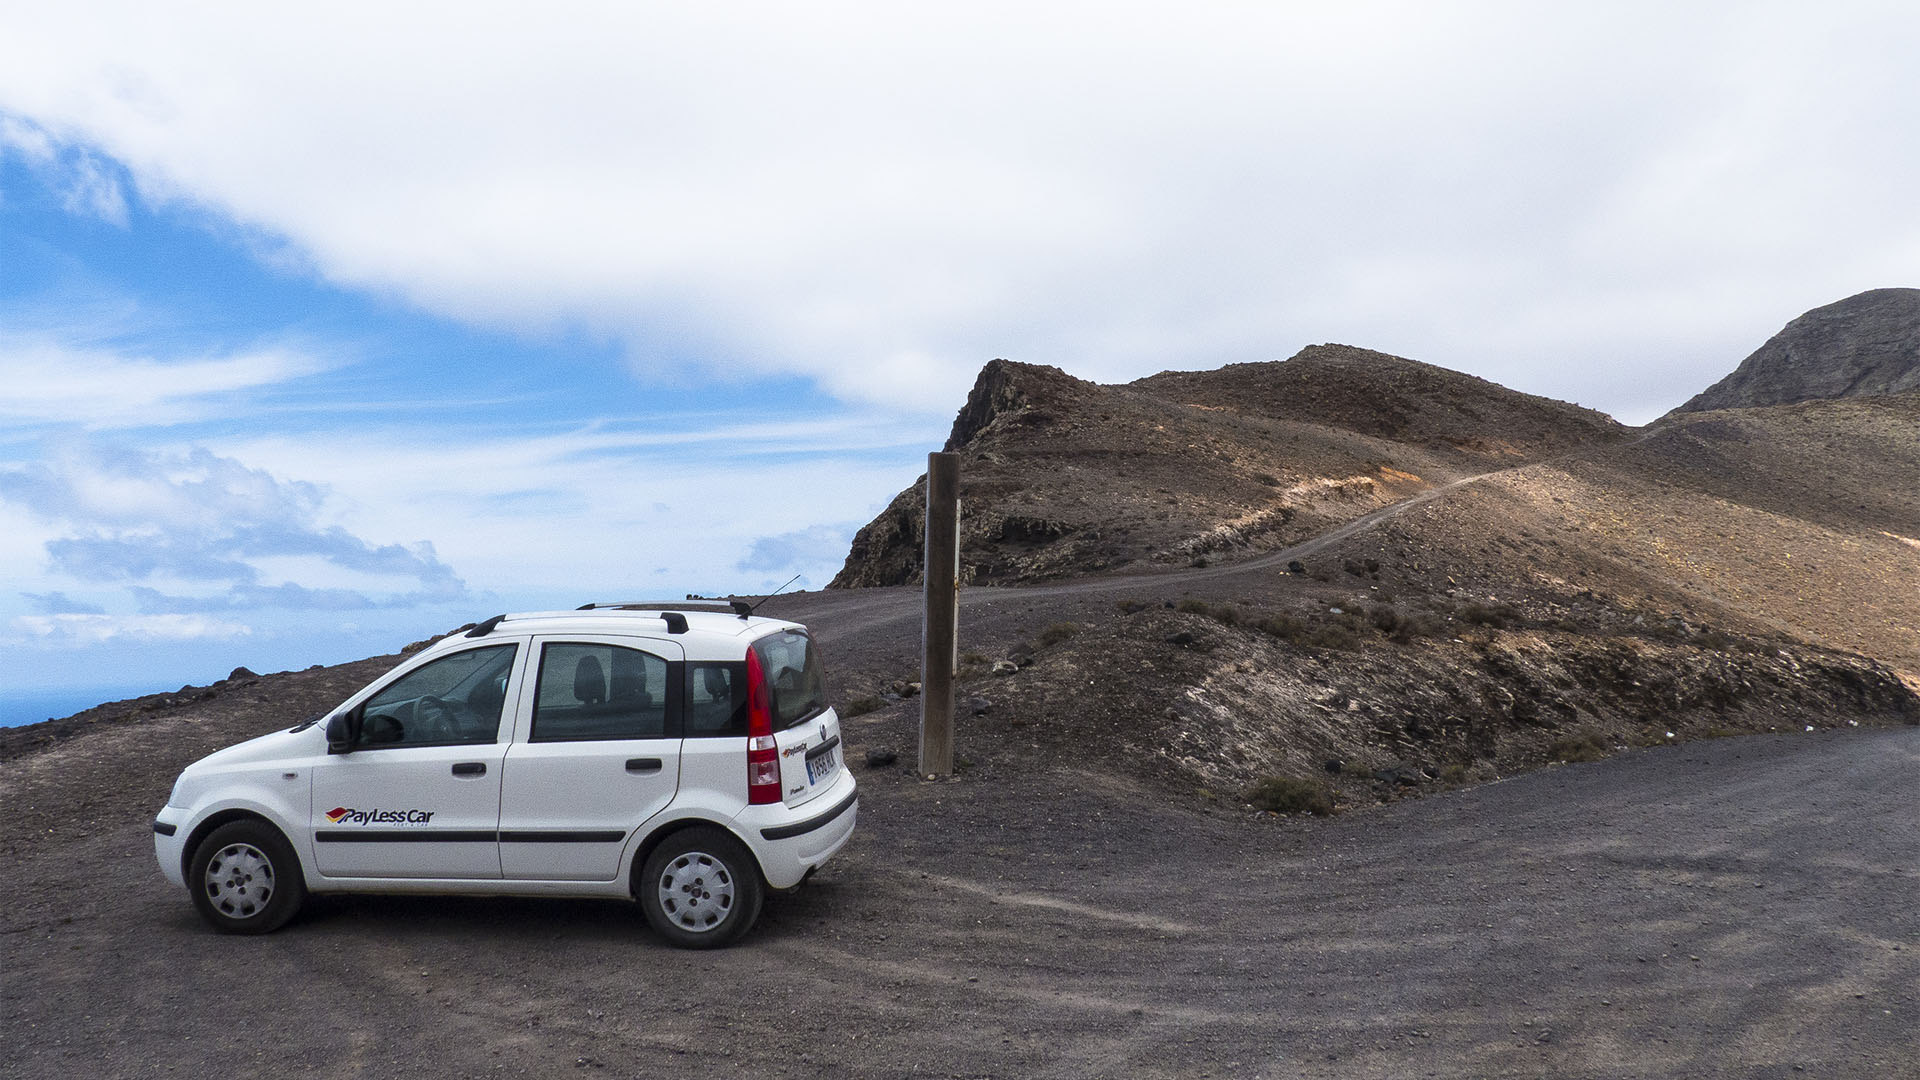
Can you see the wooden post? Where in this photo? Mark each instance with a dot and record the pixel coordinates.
(940, 633)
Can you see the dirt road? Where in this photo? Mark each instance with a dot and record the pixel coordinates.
(1734, 908)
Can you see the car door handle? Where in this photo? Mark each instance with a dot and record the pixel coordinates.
(470, 768)
(643, 765)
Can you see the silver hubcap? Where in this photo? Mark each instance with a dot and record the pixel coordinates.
(239, 881)
(696, 891)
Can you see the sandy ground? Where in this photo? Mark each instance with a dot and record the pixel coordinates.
(1734, 908)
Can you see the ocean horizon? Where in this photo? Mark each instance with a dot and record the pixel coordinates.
(21, 707)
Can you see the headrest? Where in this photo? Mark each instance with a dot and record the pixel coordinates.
(588, 684)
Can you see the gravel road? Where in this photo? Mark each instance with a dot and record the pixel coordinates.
(1734, 908)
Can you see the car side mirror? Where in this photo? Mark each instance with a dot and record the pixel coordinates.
(343, 731)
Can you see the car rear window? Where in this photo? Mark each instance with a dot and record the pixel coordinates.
(797, 689)
(716, 699)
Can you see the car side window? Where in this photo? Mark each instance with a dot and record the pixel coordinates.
(455, 699)
(592, 691)
(716, 699)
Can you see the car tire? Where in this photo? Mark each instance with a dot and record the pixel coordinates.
(701, 888)
(245, 878)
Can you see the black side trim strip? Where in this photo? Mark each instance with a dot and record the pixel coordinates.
(165, 829)
(459, 836)
(405, 836)
(801, 828)
(823, 748)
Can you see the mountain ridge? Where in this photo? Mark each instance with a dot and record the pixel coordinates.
(1867, 344)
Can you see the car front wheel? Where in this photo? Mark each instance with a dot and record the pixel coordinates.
(701, 888)
(245, 878)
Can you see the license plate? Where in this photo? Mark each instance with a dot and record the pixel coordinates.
(823, 765)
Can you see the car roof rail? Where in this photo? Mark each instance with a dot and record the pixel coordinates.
(485, 628)
(728, 607)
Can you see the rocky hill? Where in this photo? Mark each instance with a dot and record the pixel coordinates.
(1061, 477)
(1865, 345)
(1369, 576)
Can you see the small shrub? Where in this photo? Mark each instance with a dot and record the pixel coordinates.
(1057, 633)
(1497, 616)
(1290, 795)
(1416, 626)
(861, 706)
(1284, 627)
(1386, 618)
(1226, 615)
(1341, 635)
(1131, 607)
(1454, 774)
(1586, 746)
(1267, 478)
(1194, 607)
(973, 658)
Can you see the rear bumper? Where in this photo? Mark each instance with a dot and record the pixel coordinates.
(791, 842)
(812, 824)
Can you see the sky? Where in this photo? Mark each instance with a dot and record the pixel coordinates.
(324, 330)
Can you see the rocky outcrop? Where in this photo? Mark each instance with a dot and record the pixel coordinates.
(1862, 346)
(1008, 393)
(889, 549)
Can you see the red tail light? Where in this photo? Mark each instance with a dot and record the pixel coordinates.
(763, 754)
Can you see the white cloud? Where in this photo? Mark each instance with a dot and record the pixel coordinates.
(129, 515)
(818, 549)
(51, 381)
(598, 509)
(883, 196)
(78, 631)
(88, 186)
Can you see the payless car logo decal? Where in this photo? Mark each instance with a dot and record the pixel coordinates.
(378, 817)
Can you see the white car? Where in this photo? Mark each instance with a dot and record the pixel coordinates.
(684, 757)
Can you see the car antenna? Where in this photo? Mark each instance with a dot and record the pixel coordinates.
(744, 609)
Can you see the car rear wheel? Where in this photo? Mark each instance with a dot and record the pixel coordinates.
(245, 878)
(701, 888)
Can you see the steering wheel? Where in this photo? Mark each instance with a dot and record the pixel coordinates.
(436, 720)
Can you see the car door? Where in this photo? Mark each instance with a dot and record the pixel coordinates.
(597, 754)
(418, 795)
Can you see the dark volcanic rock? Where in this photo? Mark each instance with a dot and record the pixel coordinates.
(1862, 346)
(1062, 477)
(1391, 397)
(1012, 393)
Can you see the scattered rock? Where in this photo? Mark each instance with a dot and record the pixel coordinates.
(1400, 775)
(1181, 638)
(1005, 667)
(880, 757)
